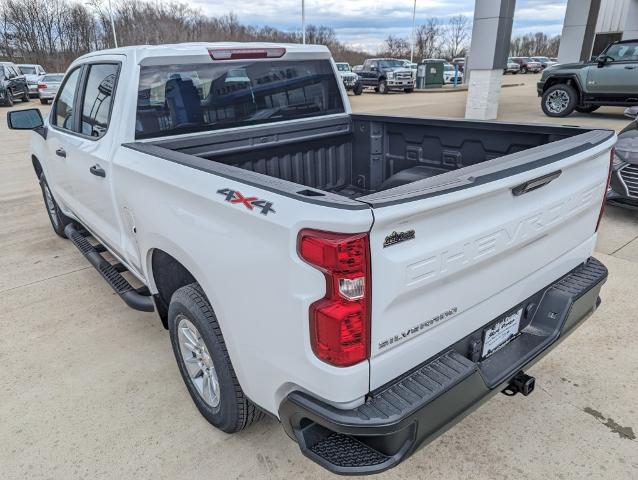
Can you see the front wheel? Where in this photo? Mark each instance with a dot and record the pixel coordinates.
(58, 219)
(204, 362)
(358, 89)
(408, 90)
(559, 100)
(587, 108)
(44, 101)
(383, 87)
(26, 98)
(9, 99)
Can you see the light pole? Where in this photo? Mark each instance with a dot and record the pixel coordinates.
(303, 21)
(413, 32)
(113, 23)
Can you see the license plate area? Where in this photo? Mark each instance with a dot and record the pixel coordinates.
(501, 332)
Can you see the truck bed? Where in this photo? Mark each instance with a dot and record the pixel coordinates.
(365, 156)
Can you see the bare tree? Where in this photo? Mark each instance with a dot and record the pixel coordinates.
(395, 47)
(533, 44)
(429, 39)
(457, 34)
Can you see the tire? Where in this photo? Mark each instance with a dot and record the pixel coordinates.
(44, 101)
(523, 70)
(9, 99)
(223, 403)
(587, 108)
(358, 89)
(26, 97)
(383, 87)
(408, 90)
(58, 219)
(559, 100)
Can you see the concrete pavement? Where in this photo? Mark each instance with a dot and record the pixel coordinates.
(91, 388)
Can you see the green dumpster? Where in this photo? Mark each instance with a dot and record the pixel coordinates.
(430, 74)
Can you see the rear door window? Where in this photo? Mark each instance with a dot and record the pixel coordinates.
(183, 98)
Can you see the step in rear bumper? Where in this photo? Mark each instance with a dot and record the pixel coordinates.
(415, 408)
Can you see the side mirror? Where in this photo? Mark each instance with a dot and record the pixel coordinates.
(373, 68)
(603, 60)
(632, 112)
(28, 119)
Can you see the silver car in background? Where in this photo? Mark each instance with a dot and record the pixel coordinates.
(32, 73)
(48, 86)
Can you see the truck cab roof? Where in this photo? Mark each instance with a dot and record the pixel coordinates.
(143, 53)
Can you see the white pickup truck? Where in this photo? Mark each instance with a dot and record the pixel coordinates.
(368, 280)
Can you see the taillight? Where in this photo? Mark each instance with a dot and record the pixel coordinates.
(340, 322)
(245, 53)
(42, 86)
(602, 207)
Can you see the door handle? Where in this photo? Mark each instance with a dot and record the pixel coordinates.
(629, 67)
(60, 152)
(97, 171)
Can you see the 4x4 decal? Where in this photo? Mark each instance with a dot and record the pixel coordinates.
(250, 203)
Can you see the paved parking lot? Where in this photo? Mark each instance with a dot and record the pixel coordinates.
(91, 389)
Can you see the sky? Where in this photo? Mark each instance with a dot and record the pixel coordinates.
(364, 24)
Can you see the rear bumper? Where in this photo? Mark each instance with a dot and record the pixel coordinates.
(415, 408)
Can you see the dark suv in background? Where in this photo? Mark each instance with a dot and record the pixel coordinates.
(13, 85)
(612, 79)
(385, 74)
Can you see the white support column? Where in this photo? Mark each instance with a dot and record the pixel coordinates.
(491, 33)
(631, 26)
(579, 29)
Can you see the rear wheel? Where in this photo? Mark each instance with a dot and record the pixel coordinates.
(44, 101)
(58, 219)
(523, 69)
(383, 87)
(587, 108)
(559, 100)
(204, 362)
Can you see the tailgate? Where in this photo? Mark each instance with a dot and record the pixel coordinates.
(453, 252)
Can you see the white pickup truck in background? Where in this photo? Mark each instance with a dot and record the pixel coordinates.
(368, 280)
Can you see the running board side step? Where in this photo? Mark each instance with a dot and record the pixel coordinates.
(131, 296)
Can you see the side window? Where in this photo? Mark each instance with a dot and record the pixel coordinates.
(12, 72)
(98, 98)
(63, 108)
(623, 52)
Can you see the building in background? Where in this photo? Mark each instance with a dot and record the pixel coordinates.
(617, 20)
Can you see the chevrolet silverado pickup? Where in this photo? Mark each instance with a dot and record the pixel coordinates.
(366, 279)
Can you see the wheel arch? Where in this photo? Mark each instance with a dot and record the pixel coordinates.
(571, 80)
(167, 274)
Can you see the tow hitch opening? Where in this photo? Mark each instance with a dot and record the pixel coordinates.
(521, 383)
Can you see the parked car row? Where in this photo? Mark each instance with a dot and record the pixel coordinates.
(22, 81)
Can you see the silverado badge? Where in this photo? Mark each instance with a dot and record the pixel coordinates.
(398, 237)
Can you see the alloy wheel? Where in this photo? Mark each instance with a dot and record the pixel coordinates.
(198, 362)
